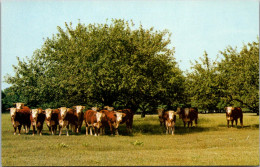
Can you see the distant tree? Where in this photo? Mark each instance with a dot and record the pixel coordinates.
(101, 64)
(239, 76)
(9, 96)
(201, 83)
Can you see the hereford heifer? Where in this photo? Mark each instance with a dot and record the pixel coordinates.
(160, 112)
(79, 116)
(233, 113)
(112, 120)
(93, 121)
(16, 119)
(169, 118)
(37, 120)
(189, 115)
(127, 119)
(67, 117)
(52, 119)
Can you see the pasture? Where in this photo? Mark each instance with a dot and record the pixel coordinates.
(211, 143)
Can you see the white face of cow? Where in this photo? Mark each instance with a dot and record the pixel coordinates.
(229, 109)
(94, 108)
(79, 109)
(19, 105)
(98, 115)
(63, 112)
(186, 111)
(171, 115)
(13, 112)
(35, 113)
(48, 113)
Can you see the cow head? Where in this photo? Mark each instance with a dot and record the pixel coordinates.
(19, 105)
(95, 108)
(48, 113)
(109, 108)
(99, 117)
(13, 113)
(119, 118)
(63, 112)
(228, 113)
(79, 109)
(160, 112)
(186, 112)
(34, 113)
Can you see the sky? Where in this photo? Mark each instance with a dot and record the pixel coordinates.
(196, 25)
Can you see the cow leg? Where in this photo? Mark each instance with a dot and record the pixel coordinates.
(15, 130)
(228, 123)
(60, 129)
(241, 121)
(33, 130)
(24, 128)
(67, 130)
(236, 122)
(196, 122)
(91, 128)
(184, 123)
(86, 129)
(173, 128)
(190, 123)
(232, 122)
(116, 131)
(19, 129)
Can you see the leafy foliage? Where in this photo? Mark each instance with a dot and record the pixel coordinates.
(101, 64)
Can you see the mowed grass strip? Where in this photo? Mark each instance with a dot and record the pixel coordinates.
(211, 143)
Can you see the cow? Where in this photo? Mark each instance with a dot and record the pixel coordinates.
(188, 115)
(67, 117)
(52, 119)
(16, 119)
(127, 119)
(112, 119)
(19, 105)
(179, 112)
(169, 119)
(233, 113)
(37, 120)
(80, 117)
(160, 112)
(93, 121)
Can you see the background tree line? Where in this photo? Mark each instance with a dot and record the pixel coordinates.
(119, 65)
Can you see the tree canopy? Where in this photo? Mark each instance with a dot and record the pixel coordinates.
(101, 64)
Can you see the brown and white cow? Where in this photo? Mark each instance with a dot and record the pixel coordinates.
(169, 118)
(19, 105)
(16, 119)
(93, 121)
(37, 120)
(67, 117)
(160, 112)
(52, 119)
(127, 119)
(234, 113)
(80, 117)
(189, 115)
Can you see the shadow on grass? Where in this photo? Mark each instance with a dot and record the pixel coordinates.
(254, 126)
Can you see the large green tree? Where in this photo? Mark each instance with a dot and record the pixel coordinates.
(101, 64)
(239, 76)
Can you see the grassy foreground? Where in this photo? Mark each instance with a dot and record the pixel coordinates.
(211, 143)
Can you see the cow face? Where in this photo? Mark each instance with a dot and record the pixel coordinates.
(13, 112)
(48, 113)
(63, 112)
(119, 118)
(34, 113)
(94, 108)
(186, 112)
(79, 109)
(19, 105)
(99, 117)
(228, 113)
(171, 115)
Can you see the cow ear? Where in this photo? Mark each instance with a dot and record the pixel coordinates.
(123, 115)
(7, 109)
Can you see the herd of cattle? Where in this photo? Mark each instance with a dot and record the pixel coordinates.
(98, 119)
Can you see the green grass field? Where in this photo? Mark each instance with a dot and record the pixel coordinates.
(211, 143)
